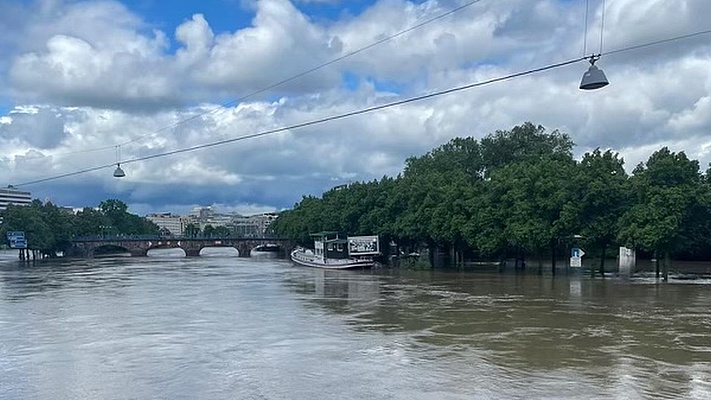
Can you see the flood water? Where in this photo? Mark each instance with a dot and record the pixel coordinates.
(260, 328)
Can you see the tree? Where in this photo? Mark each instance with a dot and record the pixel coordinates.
(192, 230)
(46, 229)
(523, 142)
(532, 197)
(602, 197)
(519, 191)
(668, 196)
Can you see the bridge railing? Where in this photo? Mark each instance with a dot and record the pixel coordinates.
(116, 238)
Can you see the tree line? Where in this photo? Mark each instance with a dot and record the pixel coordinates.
(49, 229)
(520, 194)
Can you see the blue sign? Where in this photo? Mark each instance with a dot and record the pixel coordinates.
(17, 240)
(576, 252)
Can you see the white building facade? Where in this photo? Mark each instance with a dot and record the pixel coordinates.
(174, 224)
(10, 195)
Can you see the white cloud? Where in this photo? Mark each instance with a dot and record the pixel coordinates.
(98, 75)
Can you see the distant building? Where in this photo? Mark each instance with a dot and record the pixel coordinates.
(174, 224)
(10, 195)
(239, 225)
(263, 221)
(253, 225)
(201, 213)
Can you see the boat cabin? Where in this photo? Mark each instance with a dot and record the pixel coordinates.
(330, 245)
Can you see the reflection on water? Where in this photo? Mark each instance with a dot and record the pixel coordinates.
(219, 252)
(166, 253)
(225, 327)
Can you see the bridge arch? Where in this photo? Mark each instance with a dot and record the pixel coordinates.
(160, 251)
(219, 251)
(110, 249)
(139, 246)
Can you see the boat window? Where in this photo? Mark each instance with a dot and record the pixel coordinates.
(340, 247)
(330, 247)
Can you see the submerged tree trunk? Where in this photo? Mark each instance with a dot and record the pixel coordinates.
(432, 246)
(602, 260)
(540, 264)
(656, 263)
(667, 261)
(553, 257)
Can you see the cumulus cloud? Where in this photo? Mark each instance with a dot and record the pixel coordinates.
(92, 54)
(106, 81)
(39, 127)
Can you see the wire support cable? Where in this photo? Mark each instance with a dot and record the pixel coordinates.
(364, 110)
(312, 122)
(281, 82)
(313, 69)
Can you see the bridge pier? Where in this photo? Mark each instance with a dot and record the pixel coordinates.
(191, 252)
(138, 252)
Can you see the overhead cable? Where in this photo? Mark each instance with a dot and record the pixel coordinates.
(312, 122)
(362, 111)
(281, 82)
(310, 70)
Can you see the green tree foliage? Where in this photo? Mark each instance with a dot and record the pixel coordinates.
(49, 229)
(216, 231)
(37, 225)
(192, 230)
(670, 205)
(523, 143)
(519, 192)
(121, 222)
(602, 195)
(532, 196)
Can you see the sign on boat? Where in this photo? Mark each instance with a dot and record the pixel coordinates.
(331, 251)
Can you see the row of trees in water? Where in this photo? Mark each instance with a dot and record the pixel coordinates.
(521, 194)
(49, 229)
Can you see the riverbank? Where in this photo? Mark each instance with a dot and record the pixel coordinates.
(678, 267)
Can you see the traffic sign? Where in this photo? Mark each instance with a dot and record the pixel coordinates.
(576, 252)
(576, 262)
(17, 240)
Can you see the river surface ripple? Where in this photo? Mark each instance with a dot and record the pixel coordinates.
(229, 328)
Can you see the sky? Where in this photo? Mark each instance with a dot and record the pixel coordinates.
(87, 84)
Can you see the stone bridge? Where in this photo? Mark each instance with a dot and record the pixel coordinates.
(139, 246)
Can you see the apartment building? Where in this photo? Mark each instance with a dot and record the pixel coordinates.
(175, 224)
(10, 195)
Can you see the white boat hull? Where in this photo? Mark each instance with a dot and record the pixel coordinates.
(301, 257)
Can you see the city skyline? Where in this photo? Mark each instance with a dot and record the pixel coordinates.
(87, 83)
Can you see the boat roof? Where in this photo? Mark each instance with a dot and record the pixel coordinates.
(325, 233)
(324, 237)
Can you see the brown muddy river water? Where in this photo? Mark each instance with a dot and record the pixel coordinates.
(229, 328)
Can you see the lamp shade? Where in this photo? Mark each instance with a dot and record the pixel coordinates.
(594, 78)
(118, 173)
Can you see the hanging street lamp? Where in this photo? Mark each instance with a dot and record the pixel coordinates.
(118, 173)
(594, 78)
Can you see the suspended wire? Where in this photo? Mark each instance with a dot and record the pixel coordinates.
(69, 153)
(361, 111)
(602, 25)
(310, 70)
(222, 106)
(661, 41)
(585, 35)
(316, 121)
